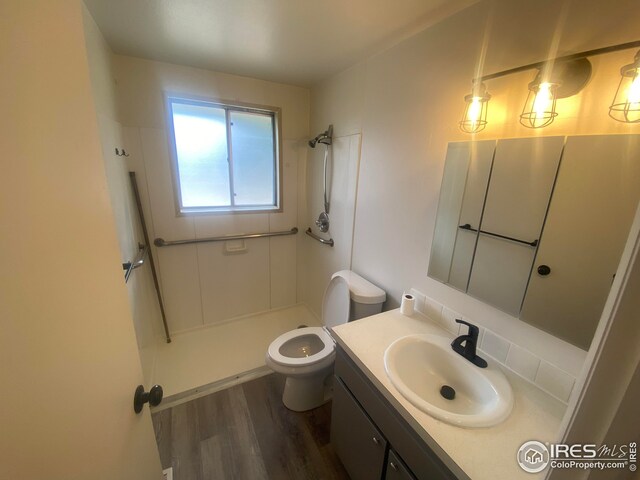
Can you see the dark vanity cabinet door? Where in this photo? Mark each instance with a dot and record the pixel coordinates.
(365, 427)
(359, 444)
(396, 469)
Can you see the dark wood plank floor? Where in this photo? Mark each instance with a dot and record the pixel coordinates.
(246, 433)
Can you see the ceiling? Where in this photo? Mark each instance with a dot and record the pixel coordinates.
(299, 42)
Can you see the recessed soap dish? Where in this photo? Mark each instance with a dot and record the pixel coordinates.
(235, 247)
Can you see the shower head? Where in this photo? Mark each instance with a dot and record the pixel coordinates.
(325, 137)
(322, 138)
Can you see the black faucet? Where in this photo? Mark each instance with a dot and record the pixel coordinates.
(470, 340)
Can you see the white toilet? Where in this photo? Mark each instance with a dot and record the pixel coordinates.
(306, 355)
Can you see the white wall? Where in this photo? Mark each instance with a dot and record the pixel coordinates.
(408, 100)
(67, 344)
(200, 285)
(142, 296)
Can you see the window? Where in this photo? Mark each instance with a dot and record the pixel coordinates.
(226, 157)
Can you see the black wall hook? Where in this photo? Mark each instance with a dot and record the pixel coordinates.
(123, 154)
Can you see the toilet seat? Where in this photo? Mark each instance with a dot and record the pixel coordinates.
(320, 332)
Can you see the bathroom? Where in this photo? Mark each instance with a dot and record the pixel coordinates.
(391, 81)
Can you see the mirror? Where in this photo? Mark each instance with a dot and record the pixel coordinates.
(536, 226)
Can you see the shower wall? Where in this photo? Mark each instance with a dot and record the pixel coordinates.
(317, 262)
(142, 297)
(200, 284)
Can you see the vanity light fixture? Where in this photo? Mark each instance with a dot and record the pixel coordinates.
(626, 102)
(559, 77)
(474, 118)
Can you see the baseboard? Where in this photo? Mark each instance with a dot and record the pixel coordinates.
(192, 394)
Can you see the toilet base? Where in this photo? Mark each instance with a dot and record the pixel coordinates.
(305, 393)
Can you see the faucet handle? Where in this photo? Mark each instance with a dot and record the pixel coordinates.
(470, 344)
(474, 331)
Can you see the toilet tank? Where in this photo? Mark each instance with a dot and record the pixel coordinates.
(366, 298)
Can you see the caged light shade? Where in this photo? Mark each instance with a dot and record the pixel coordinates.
(626, 102)
(474, 118)
(540, 107)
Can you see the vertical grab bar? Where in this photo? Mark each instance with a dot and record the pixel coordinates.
(326, 201)
(136, 194)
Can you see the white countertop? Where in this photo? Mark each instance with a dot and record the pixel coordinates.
(474, 453)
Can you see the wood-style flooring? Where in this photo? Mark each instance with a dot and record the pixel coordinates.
(246, 433)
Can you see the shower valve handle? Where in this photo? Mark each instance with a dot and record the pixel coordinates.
(323, 222)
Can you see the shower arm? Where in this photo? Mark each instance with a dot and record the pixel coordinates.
(326, 201)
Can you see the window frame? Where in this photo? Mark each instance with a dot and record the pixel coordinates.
(228, 106)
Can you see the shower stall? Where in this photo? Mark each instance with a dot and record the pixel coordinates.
(230, 284)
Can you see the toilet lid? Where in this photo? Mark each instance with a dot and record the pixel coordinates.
(335, 305)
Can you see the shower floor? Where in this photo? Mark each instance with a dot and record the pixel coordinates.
(217, 356)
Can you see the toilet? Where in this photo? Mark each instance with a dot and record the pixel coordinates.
(306, 355)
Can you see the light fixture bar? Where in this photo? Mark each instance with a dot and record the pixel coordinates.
(573, 56)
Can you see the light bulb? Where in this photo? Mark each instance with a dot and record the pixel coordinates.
(633, 94)
(540, 107)
(475, 109)
(543, 100)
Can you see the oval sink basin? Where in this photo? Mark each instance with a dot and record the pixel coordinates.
(419, 366)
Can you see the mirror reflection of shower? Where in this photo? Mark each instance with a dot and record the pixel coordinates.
(326, 139)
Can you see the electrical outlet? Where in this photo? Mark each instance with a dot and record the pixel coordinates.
(167, 474)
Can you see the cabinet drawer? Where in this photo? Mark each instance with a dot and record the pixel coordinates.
(359, 444)
(420, 459)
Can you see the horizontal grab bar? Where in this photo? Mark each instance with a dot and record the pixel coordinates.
(468, 227)
(161, 242)
(129, 267)
(321, 240)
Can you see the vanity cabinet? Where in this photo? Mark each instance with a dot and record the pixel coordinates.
(355, 438)
(370, 436)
